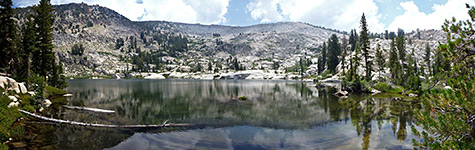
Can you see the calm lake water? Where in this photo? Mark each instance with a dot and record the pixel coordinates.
(277, 115)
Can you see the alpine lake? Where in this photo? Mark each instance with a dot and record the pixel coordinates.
(275, 115)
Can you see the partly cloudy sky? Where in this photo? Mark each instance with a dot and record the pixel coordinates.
(341, 15)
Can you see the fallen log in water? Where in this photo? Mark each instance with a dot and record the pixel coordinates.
(89, 109)
(104, 125)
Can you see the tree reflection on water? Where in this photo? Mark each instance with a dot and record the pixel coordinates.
(290, 109)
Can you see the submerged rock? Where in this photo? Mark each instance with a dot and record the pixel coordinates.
(413, 95)
(13, 98)
(448, 88)
(13, 104)
(374, 91)
(341, 93)
(47, 102)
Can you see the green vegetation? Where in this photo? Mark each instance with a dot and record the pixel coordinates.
(448, 117)
(8, 40)
(357, 85)
(380, 60)
(334, 50)
(7, 117)
(344, 53)
(172, 46)
(28, 56)
(54, 92)
(322, 59)
(364, 41)
(383, 87)
(404, 70)
(300, 67)
(77, 49)
(243, 98)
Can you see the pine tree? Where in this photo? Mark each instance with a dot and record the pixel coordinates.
(440, 63)
(322, 59)
(394, 65)
(354, 64)
(333, 52)
(380, 60)
(301, 64)
(401, 47)
(427, 57)
(44, 61)
(8, 37)
(412, 81)
(28, 45)
(44, 21)
(344, 45)
(353, 39)
(364, 39)
(447, 117)
(210, 66)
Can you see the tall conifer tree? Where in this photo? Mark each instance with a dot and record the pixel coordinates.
(8, 36)
(380, 60)
(364, 41)
(427, 57)
(333, 52)
(44, 57)
(28, 45)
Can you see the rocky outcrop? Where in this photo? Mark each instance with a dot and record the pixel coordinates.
(154, 76)
(10, 84)
(272, 46)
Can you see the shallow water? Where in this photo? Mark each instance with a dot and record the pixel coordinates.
(277, 115)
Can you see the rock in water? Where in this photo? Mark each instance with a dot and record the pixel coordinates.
(13, 104)
(47, 103)
(374, 91)
(13, 98)
(448, 88)
(341, 93)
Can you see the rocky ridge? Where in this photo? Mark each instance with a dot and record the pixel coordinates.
(270, 48)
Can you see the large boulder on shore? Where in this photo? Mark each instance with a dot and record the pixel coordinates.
(10, 83)
(13, 98)
(154, 76)
(3, 82)
(23, 88)
(13, 104)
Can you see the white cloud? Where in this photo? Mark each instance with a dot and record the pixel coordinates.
(265, 10)
(334, 14)
(189, 11)
(413, 18)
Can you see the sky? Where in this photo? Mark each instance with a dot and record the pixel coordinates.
(336, 14)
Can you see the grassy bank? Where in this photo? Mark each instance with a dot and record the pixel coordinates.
(9, 115)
